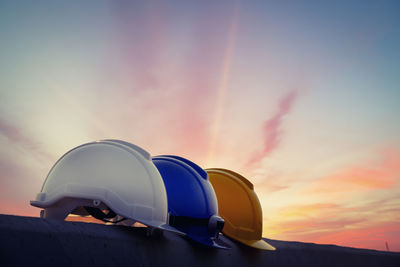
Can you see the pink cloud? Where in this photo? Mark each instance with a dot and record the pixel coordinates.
(186, 100)
(141, 42)
(176, 97)
(272, 131)
(203, 71)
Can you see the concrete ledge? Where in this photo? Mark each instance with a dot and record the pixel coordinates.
(27, 241)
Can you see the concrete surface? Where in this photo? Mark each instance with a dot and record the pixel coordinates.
(27, 241)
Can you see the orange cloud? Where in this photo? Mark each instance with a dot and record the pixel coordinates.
(367, 225)
(295, 219)
(357, 206)
(373, 175)
(18, 207)
(369, 237)
(305, 210)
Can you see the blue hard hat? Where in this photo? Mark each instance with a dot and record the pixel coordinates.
(192, 203)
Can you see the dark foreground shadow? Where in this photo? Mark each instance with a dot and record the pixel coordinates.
(26, 241)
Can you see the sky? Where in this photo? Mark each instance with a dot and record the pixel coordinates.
(300, 97)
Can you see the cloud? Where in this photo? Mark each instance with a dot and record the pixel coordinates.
(141, 42)
(166, 81)
(344, 232)
(273, 184)
(374, 236)
(23, 165)
(17, 136)
(272, 127)
(368, 225)
(18, 185)
(272, 131)
(18, 206)
(303, 220)
(353, 207)
(13, 133)
(381, 174)
(269, 187)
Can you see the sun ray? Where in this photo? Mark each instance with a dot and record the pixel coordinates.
(223, 86)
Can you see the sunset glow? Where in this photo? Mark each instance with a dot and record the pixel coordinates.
(301, 99)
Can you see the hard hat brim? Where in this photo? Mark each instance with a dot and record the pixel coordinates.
(156, 224)
(259, 244)
(169, 228)
(208, 241)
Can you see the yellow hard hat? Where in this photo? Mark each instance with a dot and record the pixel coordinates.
(239, 206)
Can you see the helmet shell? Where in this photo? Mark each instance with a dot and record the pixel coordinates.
(239, 206)
(188, 188)
(189, 193)
(117, 173)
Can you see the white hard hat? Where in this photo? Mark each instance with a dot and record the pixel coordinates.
(107, 174)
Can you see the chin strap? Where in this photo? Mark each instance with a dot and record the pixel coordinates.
(214, 224)
(184, 221)
(100, 215)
